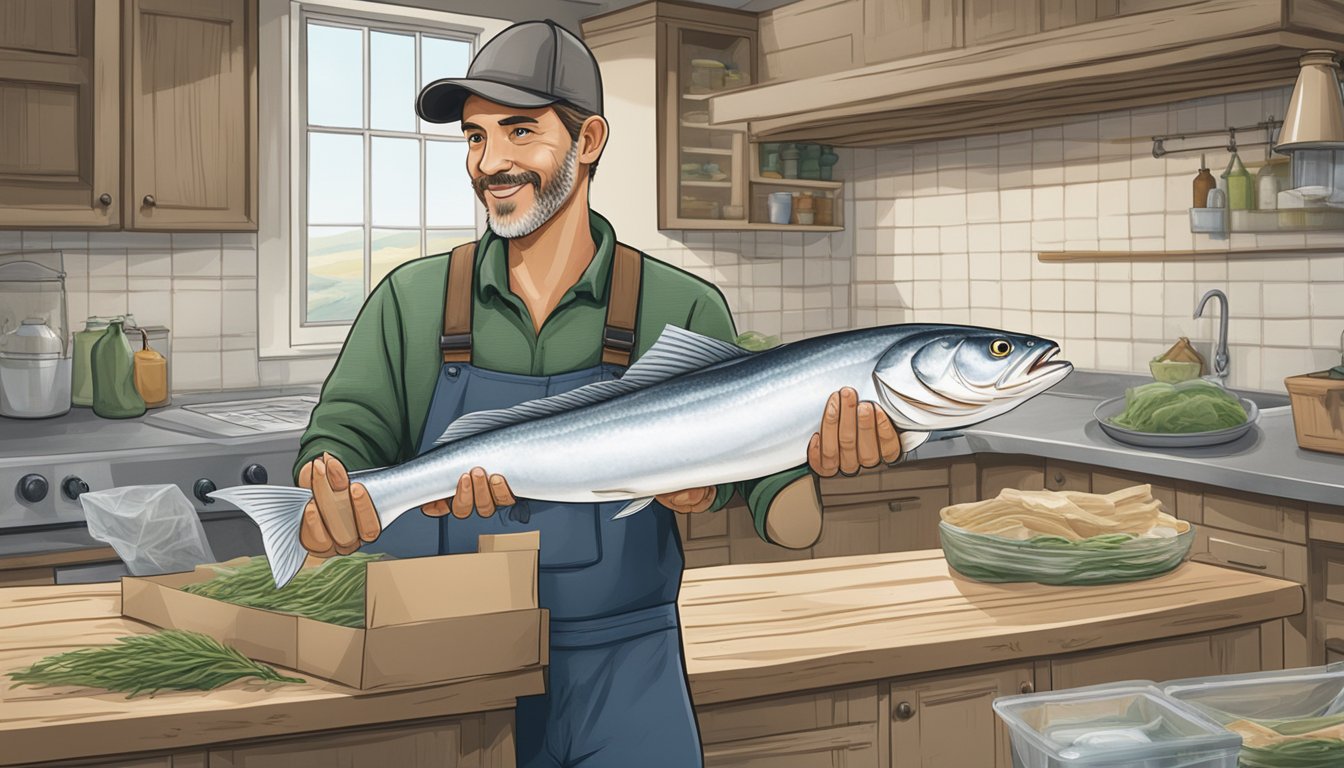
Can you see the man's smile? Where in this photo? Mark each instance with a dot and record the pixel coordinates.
(501, 192)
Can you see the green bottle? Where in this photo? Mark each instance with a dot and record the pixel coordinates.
(1240, 187)
(114, 395)
(81, 390)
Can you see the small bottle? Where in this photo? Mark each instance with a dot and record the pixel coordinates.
(150, 374)
(114, 395)
(1267, 188)
(1240, 188)
(1204, 182)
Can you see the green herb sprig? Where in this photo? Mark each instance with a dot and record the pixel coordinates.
(332, 592)
(169, 660)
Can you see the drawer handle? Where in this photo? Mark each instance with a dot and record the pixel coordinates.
(1261, 567)
(905, 710)
(895, 504)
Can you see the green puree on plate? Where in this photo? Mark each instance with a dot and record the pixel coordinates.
(1190, 406)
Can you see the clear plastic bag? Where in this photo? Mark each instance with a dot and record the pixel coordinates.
(153, 528)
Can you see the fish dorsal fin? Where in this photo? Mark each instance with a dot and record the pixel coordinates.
(676, 352)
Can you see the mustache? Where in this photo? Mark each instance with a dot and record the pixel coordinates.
(507, 180)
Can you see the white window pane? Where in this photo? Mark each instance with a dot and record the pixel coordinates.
(441, 58)
(395, 165)
(389, 248)
(335, 76)
(442, 241)
(449, 199)
(334, 274)
(392, 81)
(335, 178)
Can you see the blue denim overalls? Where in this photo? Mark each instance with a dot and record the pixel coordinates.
(616, 691)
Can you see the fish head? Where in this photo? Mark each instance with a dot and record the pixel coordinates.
(954, 376)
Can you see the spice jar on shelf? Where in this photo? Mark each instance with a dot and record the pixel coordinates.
(803, 210)
(822, 203)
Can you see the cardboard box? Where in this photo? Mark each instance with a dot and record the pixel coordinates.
(427, 620)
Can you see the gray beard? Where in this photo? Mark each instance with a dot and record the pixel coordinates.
(549, 199)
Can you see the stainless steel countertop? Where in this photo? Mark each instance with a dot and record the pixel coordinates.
(1059, 425)
(80, 433)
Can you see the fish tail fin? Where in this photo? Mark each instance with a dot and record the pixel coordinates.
(278, 512)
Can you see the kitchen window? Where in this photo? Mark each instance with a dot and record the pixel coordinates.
(370, 186)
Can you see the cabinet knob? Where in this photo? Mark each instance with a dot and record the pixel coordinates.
(1059, 478)
(104, 199)
(255, 474)
(905, 710)
(32, 488)
(73, 486)
(149, 201)
(1027, 687)
(203, 486)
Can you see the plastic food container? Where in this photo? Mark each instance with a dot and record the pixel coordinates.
(1119, 724)
(1293, 702)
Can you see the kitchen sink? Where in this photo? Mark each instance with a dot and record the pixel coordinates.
(1102, 385)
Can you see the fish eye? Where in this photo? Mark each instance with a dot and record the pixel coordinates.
(1000, 347)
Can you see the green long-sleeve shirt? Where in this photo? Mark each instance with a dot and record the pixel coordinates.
(376, 400)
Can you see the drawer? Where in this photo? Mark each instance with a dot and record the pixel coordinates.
(898, 478)
(1258, 516)
(896, 521)
(822, 729)
(1325, 523)
(1250, 553)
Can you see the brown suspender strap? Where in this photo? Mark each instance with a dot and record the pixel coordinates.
(618, 336)
(455, 343)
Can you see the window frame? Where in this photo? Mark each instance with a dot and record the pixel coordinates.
(283, 332)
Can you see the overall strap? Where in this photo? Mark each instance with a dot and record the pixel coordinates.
(618, 335)
(455, 343)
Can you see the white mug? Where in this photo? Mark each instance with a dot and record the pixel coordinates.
(1217, 198)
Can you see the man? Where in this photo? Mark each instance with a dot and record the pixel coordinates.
(545, 302)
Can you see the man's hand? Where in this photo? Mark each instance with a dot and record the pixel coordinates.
(474, 492)
(340, 515)
(853, 435)
(690, 501)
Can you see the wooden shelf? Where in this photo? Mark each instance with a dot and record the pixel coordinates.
(1226, 253)
(809, 183)
(714, 184)
(749, 226)
(708, 127)
(707, 151)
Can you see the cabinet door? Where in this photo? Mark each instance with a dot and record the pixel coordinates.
(948, 721)
(191, 95)
(474, 741)
(1063, 476)
(991, 20)
(895, 29)
(885, 521)
(812, 730)
(1225, 652)
(1021, 472)
(59, 113)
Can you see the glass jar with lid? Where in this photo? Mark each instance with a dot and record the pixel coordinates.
(34, 339)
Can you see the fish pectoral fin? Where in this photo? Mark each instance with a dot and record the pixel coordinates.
(633, 507)
(615, 493)
(912, 440)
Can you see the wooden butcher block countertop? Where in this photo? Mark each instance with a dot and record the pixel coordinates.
(758, 630)
(750, 630)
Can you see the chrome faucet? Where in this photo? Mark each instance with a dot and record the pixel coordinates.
(1220, 359)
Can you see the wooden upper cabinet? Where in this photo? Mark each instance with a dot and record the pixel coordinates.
(190, 141)
(988, 21)
(895, 29)
(1056, 14)
(59, 113)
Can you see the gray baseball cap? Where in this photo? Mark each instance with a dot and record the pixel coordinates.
(528, 65)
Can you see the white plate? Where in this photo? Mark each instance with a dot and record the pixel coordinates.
(1109, 409)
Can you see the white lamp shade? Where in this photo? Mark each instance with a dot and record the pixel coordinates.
(1315, 118)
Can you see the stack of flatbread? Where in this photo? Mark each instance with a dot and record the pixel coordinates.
(1074, 515)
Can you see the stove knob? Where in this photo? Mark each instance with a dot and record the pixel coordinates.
(73, 486)
(32, 488)
(202, 487)
(255, 474)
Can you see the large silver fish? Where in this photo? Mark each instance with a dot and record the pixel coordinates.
(693, 411)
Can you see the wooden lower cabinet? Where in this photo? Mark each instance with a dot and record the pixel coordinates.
(473, 741)
(839, 727)
(947, 721)
(1227, 652)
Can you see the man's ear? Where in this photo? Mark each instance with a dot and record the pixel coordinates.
(592, 139)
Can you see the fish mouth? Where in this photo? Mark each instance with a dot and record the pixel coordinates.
(1042, 363)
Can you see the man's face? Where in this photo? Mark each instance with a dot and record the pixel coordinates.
(522, 163)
